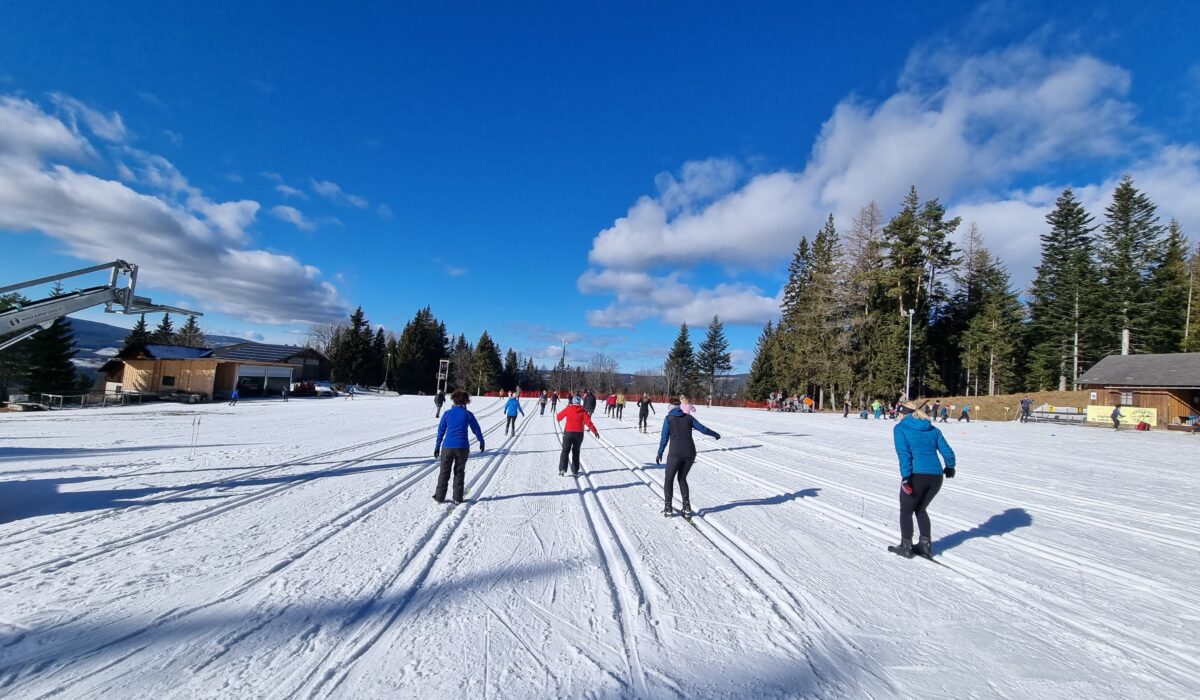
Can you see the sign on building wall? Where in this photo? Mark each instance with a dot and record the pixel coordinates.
(1130, 414)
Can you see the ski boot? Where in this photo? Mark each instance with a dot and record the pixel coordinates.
(687, 510)
(667, 511)
(562, 472)
(904, 549)
(923, 548)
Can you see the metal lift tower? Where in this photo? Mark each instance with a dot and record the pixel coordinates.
(116, 297)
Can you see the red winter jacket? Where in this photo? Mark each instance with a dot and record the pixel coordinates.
(576, 419)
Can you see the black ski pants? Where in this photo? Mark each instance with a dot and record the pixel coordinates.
(620, 411)
(925, 487)
(510, 424)
(571, 444)
(543, 411)
(677, 468)
(966, 415)
(438, 412)
(644, 420)
(453, 458)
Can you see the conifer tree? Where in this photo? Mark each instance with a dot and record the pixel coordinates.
(190, 335)
(50, 351)
(1064, 326)
(139, 334)
(378, 358)
(1169, 291)
(164, 333)
(486, 367)
(1130, 244)
(863, 262)
(989, 344)
(681, 364)
(461, 360)
(351, 350)
(763, 376)
(1191, 332)
(714, 357)
(14, 361)
(508, 374)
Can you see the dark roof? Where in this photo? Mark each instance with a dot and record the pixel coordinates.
(1175, 370)
(163, 352)
(262, 352)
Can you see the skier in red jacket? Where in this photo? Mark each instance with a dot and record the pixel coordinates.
(577, 419)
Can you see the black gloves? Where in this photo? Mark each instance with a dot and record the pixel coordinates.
(481, 447)
(437, 451)
(716, 436)
(949, 472)
(658, 458)
(906, 485)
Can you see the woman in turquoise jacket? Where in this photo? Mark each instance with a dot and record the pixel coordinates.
(917, 445)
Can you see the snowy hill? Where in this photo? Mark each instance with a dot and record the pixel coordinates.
(294, 551)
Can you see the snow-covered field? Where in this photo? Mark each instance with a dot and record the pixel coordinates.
(298, 553)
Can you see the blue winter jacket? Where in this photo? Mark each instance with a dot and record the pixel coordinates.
(452, 430)
(513, 407)
(918, 444)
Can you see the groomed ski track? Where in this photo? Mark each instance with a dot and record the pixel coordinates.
(295, 552)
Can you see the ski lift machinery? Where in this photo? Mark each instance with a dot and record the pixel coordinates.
(116, 297)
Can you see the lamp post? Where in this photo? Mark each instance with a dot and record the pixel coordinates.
(562, 371)
(908, 369)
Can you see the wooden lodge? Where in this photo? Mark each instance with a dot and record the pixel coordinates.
(1168, 383)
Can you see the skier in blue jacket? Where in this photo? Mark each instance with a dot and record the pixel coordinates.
(677, 430)
(917, 445)
(511, 409)
(454, 446)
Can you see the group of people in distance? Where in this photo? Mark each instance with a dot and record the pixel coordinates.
(917, 441)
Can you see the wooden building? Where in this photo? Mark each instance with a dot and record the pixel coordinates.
(255, 369)
(1169, 383)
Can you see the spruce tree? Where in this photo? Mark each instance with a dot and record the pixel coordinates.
(863, 268)
(164, 333)
(486, 367)
(190, 335)
(1169, 291)
(351, 350)
(990, 342)
(462, 358)
(139, 334)
(1064, 321)
(681, 364)
(378, 362)
(763, 376)
(1130, 244)
(14, 361)
(713, 360)
(50, 351)
(508, 374)
(1191, 332)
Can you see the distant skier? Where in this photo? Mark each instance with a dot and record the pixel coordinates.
(1116, 417)
(645, 408)
(589, 402)
(577, 419)
(349, 393)
(439, 399)
(677, 430)
(453, 445)
(1026, 408)
(685, 404)
(542, 404)
(918, 443)
(233, 398)
(610, 406)
(554, 402)
(620, 406)
(511, 409)
(945, 414)
(966, 412)
(877, 409)
(846, 408)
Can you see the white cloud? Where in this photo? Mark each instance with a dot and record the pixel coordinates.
(293, 216)
(456, 271)
(960, 127)
(288, 191)
(235, 178)
(109, 127)
(182, 241)
(272, 175)
(385, 212)
(334, 193)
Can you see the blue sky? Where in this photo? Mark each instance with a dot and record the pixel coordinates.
(598, 174)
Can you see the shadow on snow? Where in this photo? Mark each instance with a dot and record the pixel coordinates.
(1000, 524)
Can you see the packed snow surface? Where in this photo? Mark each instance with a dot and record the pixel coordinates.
(295, 551)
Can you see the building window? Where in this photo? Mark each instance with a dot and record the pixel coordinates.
(1127, 397)
(168, 381)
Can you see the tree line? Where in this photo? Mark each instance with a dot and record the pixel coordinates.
(409, 363)
(1122, 285)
